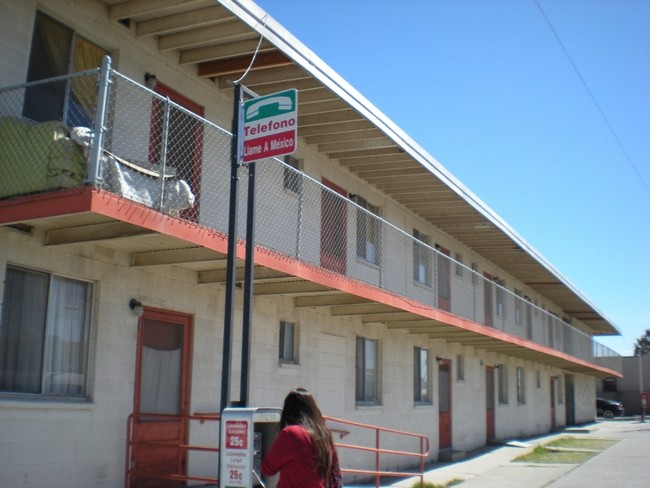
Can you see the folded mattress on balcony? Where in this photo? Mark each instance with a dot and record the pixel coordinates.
(146, 184)
(37, 157)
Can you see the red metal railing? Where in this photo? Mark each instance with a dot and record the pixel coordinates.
(421, 455)
(136, 475)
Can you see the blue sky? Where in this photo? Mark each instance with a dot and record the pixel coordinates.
(540, 107)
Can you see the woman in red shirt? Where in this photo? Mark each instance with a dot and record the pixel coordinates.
(303, 453)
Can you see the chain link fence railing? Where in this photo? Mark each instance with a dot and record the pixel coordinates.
(161, 155)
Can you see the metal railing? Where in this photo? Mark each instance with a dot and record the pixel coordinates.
(375, 450)
(115, 134)
(151, 457)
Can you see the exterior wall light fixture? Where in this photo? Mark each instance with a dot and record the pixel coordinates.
(136, 307)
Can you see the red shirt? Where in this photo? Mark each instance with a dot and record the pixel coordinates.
(293, 455)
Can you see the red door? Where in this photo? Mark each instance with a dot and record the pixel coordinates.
(487, 300)
(444, 279)
(161, 387)
(444, 404)
(333, 228)
(184, 149)
(489, 402)
(552, 395)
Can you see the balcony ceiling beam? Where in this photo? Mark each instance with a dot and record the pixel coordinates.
(318, 130)
(94, 233)
(271, 76)
(205, 36)
(189, 255)
(353, 135)
(260, 274)
(333, 149)
(223, 51)
(267, 60)
(139, 8)
(322, 107)
(291, 288)
(361, 309)
(183, 21)
(328, 300)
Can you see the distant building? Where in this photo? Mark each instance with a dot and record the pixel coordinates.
(628, 388)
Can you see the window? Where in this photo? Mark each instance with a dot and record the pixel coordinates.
(459, 265)
(421, 258)
(44, 334)
(521, 386)
(368, 231)
(288, 342)
(610, 384)
(460, 368)
(421, 376)
(519, 303)
(474, 274)
(503, 384)
(367, 372)
(57, 50)
(500, 297)
(292, 178)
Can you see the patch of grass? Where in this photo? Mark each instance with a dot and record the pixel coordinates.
(566, 450)
(543, 455)
(428, 484)
(578, 443)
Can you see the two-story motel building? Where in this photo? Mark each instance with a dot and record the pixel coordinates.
(381, 283)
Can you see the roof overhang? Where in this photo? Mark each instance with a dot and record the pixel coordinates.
(217, 40)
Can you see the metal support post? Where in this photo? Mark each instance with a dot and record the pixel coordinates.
(94, 166)
(248, 288)
(235, 151)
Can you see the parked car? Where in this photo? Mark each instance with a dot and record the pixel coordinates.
(609, 408)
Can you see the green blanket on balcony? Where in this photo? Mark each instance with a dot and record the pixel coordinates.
(38, 157)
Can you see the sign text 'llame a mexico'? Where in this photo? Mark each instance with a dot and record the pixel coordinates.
(270, 126)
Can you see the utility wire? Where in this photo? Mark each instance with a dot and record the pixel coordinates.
(257, 50)
(593, 98)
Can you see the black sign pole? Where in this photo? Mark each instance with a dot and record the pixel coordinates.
(248, 281)
(248, 287)
(232, 249)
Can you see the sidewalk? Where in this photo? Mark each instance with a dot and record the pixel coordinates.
(623, 464)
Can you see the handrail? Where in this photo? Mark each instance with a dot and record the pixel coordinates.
(378, 472)
(131, 471)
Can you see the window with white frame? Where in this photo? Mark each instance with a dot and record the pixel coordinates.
(521, 386)
(44, 334)
(292, 178)
(503, 384)
(460, 367)
(367, 371)
(288, 342)
(368, 231)
(421, 258)
(421, 376)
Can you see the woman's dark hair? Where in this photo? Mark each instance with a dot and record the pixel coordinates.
(300, 409)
